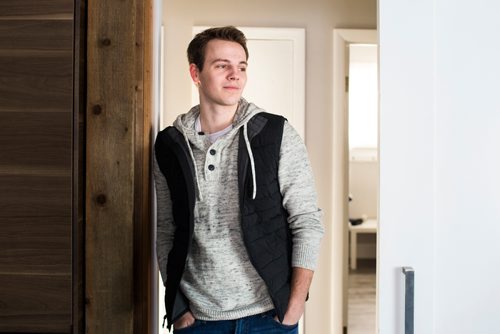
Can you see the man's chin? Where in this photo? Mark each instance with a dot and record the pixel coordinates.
(232, 102)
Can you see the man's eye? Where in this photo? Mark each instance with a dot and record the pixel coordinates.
(220, 66)
(243, 69)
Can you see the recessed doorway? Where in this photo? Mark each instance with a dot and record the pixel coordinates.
(361, 156)
(363, 186)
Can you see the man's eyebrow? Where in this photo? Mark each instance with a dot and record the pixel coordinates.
(227, 61)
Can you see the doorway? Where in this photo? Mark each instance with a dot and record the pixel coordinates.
(343, 38)
(362, 109)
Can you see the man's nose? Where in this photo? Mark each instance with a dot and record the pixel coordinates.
(233, 74)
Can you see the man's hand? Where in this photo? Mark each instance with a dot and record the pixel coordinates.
(293, 314)
(186, 320)
(301, 281)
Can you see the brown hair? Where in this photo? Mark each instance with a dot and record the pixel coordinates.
(196, 49)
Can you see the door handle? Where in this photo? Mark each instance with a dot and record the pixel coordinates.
(409, 298)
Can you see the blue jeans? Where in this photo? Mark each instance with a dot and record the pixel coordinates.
(261, 323)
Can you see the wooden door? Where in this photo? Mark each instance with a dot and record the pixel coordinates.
(39, 163)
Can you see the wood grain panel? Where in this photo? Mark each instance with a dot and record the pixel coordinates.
(38, 7)
(35, 196)
(36, 81)
(143, 261)
(35, 303)
(36, 35)
(118, 176)
(35, 245)
(36, 167)
(41, 139)
(111, 100)
(79, 126)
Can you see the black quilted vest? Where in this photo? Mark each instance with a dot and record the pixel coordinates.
(263, 220)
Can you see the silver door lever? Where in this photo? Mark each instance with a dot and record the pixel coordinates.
(409, 298)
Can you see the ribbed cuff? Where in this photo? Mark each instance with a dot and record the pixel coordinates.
(305, 256)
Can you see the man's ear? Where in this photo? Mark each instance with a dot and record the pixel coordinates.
(195, 73)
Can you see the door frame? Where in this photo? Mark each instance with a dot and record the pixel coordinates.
(340, 178)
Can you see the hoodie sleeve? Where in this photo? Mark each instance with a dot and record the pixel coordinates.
(165, 227)
(299, 199)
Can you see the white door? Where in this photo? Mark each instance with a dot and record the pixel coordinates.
(439, 165)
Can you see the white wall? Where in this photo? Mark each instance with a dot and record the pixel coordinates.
(363, 186)
(319, 18)
(440, 130)
(467, 165)
(363, 95)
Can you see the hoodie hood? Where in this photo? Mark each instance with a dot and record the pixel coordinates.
(185, 123)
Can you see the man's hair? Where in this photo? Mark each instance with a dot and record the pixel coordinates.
(196, 49)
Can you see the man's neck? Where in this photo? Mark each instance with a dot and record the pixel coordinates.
(216, 119)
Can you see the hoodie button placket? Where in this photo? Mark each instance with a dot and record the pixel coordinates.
(211, 159)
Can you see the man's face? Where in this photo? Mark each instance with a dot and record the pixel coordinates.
(223, 77)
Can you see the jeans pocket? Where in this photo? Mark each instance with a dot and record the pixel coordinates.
(290, 327)
(271, 317)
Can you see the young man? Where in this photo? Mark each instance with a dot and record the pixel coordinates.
(238, 224)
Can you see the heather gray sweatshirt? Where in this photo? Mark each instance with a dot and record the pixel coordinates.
(219, 280)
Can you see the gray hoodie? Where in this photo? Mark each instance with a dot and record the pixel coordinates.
(219, 280)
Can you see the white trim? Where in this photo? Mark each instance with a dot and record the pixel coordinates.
(340, 181)
(162, 76)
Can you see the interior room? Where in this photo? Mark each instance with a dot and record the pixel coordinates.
(80, 105)
(92, 96)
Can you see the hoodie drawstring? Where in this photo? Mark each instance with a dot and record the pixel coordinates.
(197, 181)
(252, 162)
